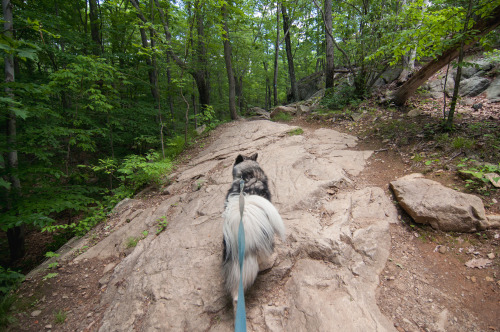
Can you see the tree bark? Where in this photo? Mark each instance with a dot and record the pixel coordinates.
(229, 65)
(449, 121)
(483, 26)
(267, 103)
(15, 235)
(201, 74)
(94, 27)
(152, 72)
(289, 55)
(276, 55)
(330, 65)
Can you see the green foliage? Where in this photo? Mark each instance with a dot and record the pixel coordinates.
(131, 242)
(137, 171)
(60, 316)
(51, 254)
(50, 276)
(6, 302)
(9, 280)
(474, 174)
(340, 97)
(282, 116)
(162, 225)
(296, 131)
(460, 142)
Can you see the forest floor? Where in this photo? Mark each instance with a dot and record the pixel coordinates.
(425, 276)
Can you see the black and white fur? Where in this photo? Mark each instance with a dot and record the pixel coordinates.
(260, 219)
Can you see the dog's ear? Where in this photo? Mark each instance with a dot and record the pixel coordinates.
(253, 157)
(239, 159)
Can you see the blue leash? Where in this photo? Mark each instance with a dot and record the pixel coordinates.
(240, 324)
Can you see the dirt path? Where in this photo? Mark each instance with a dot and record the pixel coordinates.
(368, 271)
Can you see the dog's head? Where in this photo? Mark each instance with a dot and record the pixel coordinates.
(242, 158)
(246, 167)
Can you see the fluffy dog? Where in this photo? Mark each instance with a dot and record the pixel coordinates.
(260, 219)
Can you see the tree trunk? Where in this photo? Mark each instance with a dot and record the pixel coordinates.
(276, 54)
(94, 27)
(449, 121)
(483, 26)
(268, 88)
(201, 74)
(15, 235)
(289, 55)
(152, 73)
(240, 93)
(330, 65)
(229, 65)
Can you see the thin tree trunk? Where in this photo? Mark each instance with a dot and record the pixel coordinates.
(449, 121)
(229, 65)
(268, 88)
(276, 55)
(201, 74)
(330, 64)
(94, 27)
(15, 235)
(289, 55)
(240, 93)
(483, 26)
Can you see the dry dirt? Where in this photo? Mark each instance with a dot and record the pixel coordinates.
(424, 280)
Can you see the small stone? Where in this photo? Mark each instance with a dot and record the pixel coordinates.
(48, 326)
(489, 279)
(36, 313)
(89, 314)
(442, 249)
(473, 279)
(477, 106)
(491, 255)
(65, 297)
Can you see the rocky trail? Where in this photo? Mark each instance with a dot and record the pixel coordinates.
(349, 262)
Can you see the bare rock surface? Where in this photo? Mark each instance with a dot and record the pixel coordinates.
(429, 202)
(324, 275)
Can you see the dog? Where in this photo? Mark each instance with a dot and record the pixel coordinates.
(261, 221)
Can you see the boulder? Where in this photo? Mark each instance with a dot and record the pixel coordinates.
(259, 113)
(429, 202)
(473, 86)
(283, 109)
(434, 88)
(493, 91)
(309, 85)
(477, 68)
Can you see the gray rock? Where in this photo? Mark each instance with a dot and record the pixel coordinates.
(283, 109)
(258, 112)
(415, 112)
(478, 68)
(473, 86)
(325, 275)
(201, 129)
(477, 106)
(493, 91)
(429, 202)
(36, 313)
(435, 87)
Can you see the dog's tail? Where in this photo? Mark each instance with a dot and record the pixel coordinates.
(261, 221)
